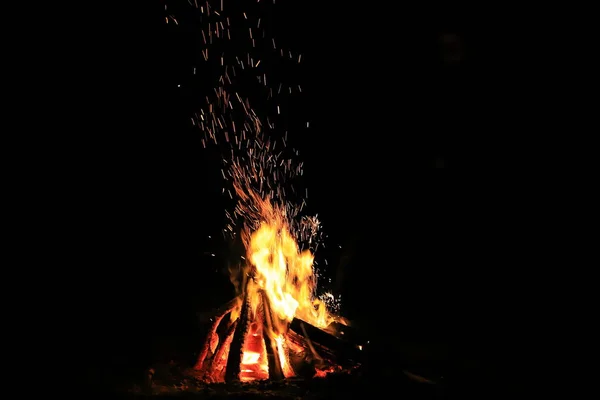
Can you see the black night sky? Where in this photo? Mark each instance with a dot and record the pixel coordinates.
(395, 168)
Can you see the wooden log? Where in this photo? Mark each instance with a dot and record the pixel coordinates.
(232, 372)
(217, 359)
(275, 368)
(310, 344)
(303, 360)
(343, 350)
(298, 340)
(300, 356)
(346, 332)
(328, 354)
(218, 316)
(206, 347)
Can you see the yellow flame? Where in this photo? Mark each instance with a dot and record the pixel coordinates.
(278, 269)
(250, 357)
(285, 366)
(285, 274)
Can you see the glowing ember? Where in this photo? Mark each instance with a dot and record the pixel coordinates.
(254, 363)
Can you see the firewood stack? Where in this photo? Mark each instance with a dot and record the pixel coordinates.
(305, 350)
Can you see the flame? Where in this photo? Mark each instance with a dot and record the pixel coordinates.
(285, 275)
(276, 285)
(285, 365)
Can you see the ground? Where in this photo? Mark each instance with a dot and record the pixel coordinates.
(162, 369)
(175, 381)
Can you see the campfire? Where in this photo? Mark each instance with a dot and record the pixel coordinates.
(275, 328)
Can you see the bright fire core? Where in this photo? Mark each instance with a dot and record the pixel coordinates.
(285, 274)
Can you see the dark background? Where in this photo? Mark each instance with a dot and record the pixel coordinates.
(397, 165)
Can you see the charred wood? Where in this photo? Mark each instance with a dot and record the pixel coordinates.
(326, 344)
(222, 348)
(210, 337)
(207, 343)
(232, 372)
(300, 356)
(345, 332)
(275, 368)
(303, 359)
(306, 350)
(297, 340)
(310, 344)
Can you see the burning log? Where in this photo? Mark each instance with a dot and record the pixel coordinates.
(273, 354)
(223, 347)
(252, 346)
(310, 344)
(212, 334)
(249, 349)
(325, 343)
(232, 372)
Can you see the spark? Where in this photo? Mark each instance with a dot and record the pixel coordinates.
(259, 169)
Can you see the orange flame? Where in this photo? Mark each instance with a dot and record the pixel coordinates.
(285, 274)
